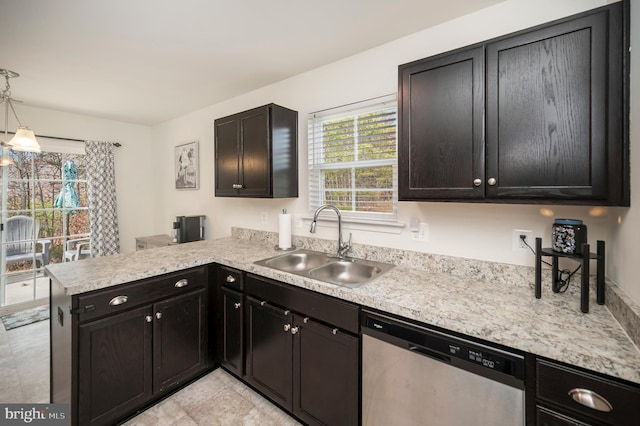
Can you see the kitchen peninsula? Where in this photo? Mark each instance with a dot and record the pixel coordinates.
(486, 301)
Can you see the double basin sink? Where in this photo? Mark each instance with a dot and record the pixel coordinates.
(347, 272)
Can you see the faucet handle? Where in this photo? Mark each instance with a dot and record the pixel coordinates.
(349, 242)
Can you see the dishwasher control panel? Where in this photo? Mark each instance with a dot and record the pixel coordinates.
(443, 347)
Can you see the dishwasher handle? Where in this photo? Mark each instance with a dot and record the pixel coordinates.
(429, 353)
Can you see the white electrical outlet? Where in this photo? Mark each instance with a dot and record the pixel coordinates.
(264, 218)
(516, 242)
(298, 219)
(423, 232)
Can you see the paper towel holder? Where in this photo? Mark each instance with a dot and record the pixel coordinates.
(291, 247)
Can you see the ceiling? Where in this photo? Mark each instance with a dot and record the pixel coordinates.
(147, 61)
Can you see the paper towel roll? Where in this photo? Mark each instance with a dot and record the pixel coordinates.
(285, 231)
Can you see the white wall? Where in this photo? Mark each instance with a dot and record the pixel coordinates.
(480, 231)
(134, 176)
(624, 252)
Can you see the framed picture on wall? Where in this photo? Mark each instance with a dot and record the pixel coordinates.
(187, 166)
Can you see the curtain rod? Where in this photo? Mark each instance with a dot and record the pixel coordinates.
(116, 144)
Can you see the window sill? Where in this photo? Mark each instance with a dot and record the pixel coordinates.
(388, 227)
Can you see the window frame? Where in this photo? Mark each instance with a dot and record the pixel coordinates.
(317, 165)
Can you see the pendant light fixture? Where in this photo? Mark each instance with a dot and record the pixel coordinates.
(24, 138)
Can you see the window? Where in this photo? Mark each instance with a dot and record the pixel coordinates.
(352, 159)
(31, 184)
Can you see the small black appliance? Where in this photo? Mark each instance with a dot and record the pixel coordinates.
(189, 228)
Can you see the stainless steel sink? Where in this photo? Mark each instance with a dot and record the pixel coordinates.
(299, 261)
(348, 272)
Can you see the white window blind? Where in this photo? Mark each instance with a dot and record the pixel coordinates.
(352, 159)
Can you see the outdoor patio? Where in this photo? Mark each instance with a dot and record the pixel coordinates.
(20, 289)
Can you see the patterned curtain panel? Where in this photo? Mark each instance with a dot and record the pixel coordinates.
(101, 185)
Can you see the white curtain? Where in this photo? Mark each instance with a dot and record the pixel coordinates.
(101, 184)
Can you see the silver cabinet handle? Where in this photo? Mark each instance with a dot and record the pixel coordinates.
(237, 305)
(181, 283)
(590, 399)
(287, 327)
(477, 182)
(237, 186)
(231, 279)
(148, 318)
(158, 315)
(492, 181)
(294, 330)
(118, 300)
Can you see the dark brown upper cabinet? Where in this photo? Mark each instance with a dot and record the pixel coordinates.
(538, 116)
(256, 153)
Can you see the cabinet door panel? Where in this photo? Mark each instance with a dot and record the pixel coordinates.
(114, 367)
(326, 369)
(256, 153)
(441, 134)
(269, 360)
(546, 119)
(179, 339)
(232, 333)
(227, 162)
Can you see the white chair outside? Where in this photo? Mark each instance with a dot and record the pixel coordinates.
(77, 249)
(20, 244)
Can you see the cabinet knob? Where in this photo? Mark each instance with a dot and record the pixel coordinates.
(148, 318)
(237, 305)
(287, 327)
(158, 315)
(590, 399)
(237, 186)
(477, 182)
(492, 181)
(294, 330)
(181, 283)
(231, 279)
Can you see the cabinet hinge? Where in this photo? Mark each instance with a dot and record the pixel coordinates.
(82, 310)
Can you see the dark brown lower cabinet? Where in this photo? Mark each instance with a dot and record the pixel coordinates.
(567, 395)
(269, 346)
(114, 366)
(325, 374)
(123, 348)
(309, 368)
(232, 335)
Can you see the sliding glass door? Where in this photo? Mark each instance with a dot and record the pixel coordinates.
(44, 206)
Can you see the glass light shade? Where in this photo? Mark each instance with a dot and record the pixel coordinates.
(24, 140)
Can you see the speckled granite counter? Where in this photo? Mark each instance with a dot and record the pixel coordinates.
(486, 300)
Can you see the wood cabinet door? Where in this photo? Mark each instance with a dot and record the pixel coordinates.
(114, 366)
(227, 155)
(232, 351)
(179, 339)
(547, 103)
(325, 373)
(255, 165)
(441, 132)
(269, 351)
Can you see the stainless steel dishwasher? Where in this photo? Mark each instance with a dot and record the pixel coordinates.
(412, 375)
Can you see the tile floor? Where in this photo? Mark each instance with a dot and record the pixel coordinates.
(216, 399)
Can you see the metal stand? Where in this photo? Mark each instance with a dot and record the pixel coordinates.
(584, 258)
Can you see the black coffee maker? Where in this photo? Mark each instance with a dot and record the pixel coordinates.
(189, 228)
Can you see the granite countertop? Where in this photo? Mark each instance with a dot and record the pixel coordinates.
(473, 301)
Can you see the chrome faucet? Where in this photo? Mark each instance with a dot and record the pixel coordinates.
(343, 248)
